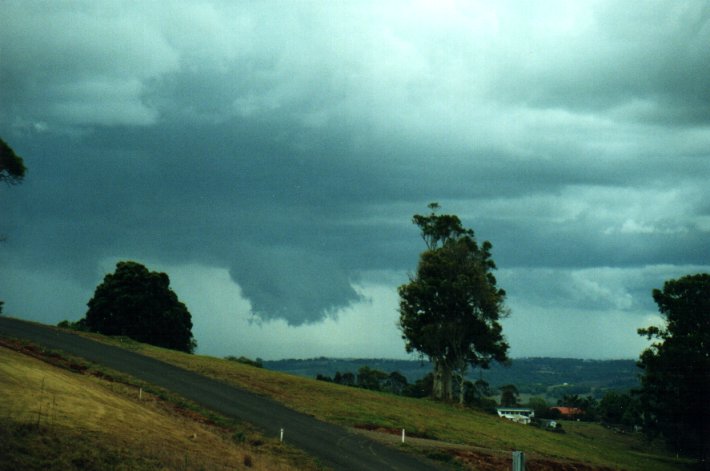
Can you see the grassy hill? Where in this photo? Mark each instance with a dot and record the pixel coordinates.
(53, 418)
(475, 439)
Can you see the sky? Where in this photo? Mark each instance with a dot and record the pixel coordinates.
(269, 157)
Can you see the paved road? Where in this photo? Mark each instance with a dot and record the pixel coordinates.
(335, 446)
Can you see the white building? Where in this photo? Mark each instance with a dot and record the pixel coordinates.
(519, 415)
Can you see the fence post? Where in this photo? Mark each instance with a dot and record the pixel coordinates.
(518, 461)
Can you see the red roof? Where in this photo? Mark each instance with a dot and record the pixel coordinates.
(568, 411)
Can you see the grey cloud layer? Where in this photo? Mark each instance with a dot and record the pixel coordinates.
(292, 145)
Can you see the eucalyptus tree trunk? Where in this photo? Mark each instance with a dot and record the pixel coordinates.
(462, 387)
(443, 382)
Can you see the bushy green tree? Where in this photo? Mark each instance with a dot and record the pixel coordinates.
(346, 379)
(12, 170)
(450, 310)
(542, 409)
(258, 363)
(370, 378)
(619, 408)
(395, 383)
(479, 395)
(422, 387)
(139, 304)
(675, 384)
(509, 395)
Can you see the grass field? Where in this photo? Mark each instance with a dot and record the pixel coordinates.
(54, 418)
(448, 430)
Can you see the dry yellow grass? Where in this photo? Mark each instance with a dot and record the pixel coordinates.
(33, 392)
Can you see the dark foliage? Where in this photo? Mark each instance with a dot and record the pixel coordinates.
(140, 304)
(79, 325)
(367, 378)
(258, 363)
(346, 379)
(422, 387)
(584, 407)
(509, 395)
(675, 385)
(12, 167)
(372, 379)
(620, 409)
(450, 310)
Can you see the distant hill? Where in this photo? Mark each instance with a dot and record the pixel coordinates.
(544, 376)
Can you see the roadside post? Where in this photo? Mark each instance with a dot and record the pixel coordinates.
(518, 461)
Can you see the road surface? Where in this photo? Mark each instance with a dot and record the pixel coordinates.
(334, 446)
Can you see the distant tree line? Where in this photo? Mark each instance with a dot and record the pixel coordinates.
(376, 380)
(476, 394)
(552, 378)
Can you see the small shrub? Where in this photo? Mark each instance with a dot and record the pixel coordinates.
(246, 361)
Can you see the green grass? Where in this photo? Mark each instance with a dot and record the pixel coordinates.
(453, 427)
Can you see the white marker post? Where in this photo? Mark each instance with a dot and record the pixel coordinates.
(281, 436)
(140, 394)
(403, 434)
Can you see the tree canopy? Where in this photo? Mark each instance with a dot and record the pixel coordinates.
(139, 304)
(12, 171)
(675, 385)
(509, 395)
(12, 168)
(449, 311)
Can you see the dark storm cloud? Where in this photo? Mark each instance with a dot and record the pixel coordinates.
(276, 218)
(292, 146)
(291, 283)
